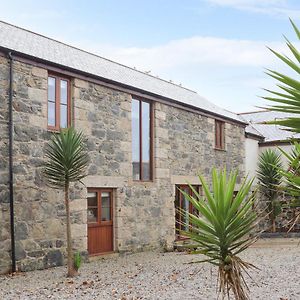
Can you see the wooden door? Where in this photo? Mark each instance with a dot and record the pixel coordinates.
(182, 203)
(100, 221)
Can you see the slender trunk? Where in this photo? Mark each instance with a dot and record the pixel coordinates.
(71, 270)
(273, 225)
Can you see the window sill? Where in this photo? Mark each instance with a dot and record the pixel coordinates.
(220, 149)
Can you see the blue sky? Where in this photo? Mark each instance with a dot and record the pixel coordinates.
(216, 47)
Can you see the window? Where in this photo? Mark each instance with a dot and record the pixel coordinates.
(59, 115)
(182, 203)
(141, 140)
(220, 135)
(99, 203)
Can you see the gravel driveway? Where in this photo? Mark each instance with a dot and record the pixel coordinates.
(154, 275)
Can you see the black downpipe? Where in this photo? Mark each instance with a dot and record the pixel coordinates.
(10, 153)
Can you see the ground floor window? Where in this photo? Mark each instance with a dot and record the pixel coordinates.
(181, 202)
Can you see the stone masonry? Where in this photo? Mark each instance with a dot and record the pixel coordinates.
(144, 213)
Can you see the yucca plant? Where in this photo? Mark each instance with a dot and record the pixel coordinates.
(287, 99)
(67, 162)
(269, 179)
(221, 229)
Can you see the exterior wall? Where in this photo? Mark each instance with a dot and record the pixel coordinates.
(252, 153)
(144, 214)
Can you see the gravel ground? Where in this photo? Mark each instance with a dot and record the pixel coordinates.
(160, 276)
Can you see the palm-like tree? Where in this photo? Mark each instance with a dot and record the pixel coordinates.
(287, 99)
(270, 177)
(67, 162)
(221, 227)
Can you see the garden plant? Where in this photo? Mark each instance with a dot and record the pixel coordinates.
(67, 161)
(221, 228)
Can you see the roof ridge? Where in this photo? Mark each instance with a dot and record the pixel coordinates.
(253, 112)
(99, 56)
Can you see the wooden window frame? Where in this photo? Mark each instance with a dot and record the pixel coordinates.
(151, 126)
(178, 226)
(58, 78)
(219, 135)
(98, 191)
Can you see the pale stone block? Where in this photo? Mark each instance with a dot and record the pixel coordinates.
(162, 133)
(38, 121)
(78, 205)
(160, 115)
(37, 94)
(39, 72)
(125, 105)
(162, 173)
(78, 230)
(104, 181)
(184, 179)
(81, 83)
(83, 126)
(161, 153)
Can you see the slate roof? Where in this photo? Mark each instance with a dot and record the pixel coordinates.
(38, 46)
(269, 132)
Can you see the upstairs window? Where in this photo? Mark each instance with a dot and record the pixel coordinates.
(219, 135)
(59, 112)
(141, 140)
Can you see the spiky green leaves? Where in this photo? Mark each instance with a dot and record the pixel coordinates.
(268, 172)
(223, 219)
(67, 158)
(221, 227)
(287, 99)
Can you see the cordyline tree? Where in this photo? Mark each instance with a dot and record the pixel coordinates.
(67, 163)
(220, 226)
(287, 99)
(269, 179)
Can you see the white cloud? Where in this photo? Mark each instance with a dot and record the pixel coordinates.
(281, 8)
(192, 52)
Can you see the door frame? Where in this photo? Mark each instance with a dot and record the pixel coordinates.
(99, 190)
(180, 195)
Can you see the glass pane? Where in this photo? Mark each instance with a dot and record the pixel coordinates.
(92, 215)
(92, 199)
(51, 113)
(63, 116)
(135, 139)
(146, 140)
(64, 91)
(105, 206)
(51, 89)
(185, 206)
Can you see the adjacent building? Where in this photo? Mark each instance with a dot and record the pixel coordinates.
(145, 136)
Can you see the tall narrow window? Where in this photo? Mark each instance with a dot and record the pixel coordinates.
(141, 140)
(219, 135)
(59, 115)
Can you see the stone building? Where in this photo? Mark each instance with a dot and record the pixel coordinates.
(145, 136)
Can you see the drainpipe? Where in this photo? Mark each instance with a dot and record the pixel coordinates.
(10, 154)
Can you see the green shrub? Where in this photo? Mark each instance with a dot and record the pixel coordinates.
(77, 260)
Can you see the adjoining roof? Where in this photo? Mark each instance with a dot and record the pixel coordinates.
(269, 132)
(38, 46)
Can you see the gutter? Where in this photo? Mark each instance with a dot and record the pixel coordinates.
(10, 154)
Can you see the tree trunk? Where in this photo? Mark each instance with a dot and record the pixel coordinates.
(71, 270)
(273, 225)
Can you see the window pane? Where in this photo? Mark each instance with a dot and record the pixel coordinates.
(92, 199)
(51, 89)
(64, 91)
(135, 139)
(105, 206)
(51, 113)
(146, 140)
(92, 215)
(63, 116)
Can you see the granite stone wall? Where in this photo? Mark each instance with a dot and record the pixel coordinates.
(144, 213)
